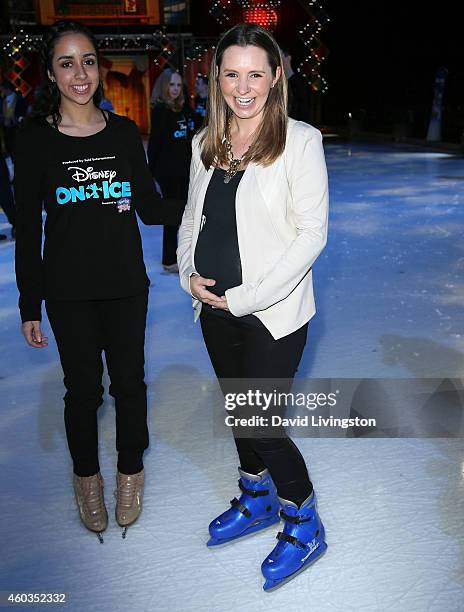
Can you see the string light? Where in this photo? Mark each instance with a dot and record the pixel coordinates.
(19, 62)
(263, 12)
(266, 14)
(309, 67)
(220, 11)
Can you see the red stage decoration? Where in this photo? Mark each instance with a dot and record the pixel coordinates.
(97, 12)
(264, 13)
(197, 63)
(19, 63)
(165, 50)
(267, 18)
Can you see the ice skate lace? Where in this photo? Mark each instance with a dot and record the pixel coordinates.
(126, 490)
(92, 493)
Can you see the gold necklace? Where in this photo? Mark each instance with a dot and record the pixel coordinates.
(234, 162)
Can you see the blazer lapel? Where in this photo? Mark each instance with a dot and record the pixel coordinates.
(200, 200)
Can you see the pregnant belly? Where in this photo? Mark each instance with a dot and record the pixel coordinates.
(222, 266)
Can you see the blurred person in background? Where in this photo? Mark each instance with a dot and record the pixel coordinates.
(6, 196)
(14, 109)
(201, 98)
(299, 103)
(169, 151)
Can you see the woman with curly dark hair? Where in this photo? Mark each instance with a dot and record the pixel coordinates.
(88, 168)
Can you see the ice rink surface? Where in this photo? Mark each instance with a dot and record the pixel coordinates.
(390, 295)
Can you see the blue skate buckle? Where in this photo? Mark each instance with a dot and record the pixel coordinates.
(253, 528)
(314, 555)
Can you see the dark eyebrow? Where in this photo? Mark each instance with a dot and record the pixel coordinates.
(233, 70)
(71, 56)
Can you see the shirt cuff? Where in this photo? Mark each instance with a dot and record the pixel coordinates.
(30, 309)
(190, 288)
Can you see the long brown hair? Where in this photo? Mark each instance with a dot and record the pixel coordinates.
(269, 141)
(161, 90)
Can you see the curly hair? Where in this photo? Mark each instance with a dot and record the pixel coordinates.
(48, 99)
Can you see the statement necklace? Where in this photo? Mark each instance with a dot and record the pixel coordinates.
(234, 162)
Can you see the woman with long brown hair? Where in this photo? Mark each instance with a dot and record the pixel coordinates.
(169, 150)
(255, 222)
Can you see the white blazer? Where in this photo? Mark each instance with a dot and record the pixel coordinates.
(282, 215)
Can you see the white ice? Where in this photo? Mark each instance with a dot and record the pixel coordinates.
(390, 294)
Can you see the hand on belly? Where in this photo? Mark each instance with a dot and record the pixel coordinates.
(199, 287)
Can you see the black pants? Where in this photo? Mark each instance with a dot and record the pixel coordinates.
(242, 351)
(173, 186)
(83, 330)
(10, 139)
(169, 244)
(6, 193)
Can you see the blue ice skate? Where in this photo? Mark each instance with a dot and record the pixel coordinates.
(257, 508)
(299, 545)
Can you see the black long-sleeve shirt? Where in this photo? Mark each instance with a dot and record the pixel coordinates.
(169, 146)
(90, 188)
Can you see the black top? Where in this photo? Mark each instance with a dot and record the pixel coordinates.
(169, 146)
(217, 254)
(200, 111)
(91, 187)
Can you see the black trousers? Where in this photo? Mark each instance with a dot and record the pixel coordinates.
(239, 350)
(6, 193)
(173, 186)
(10, 139)
(83, 330)
(169, 244)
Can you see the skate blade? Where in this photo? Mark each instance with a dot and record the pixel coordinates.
(273, 585)
(214, 542)
(99, 534)
(125, 527)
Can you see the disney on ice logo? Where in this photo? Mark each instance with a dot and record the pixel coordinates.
(88, 174)
(105, 189)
